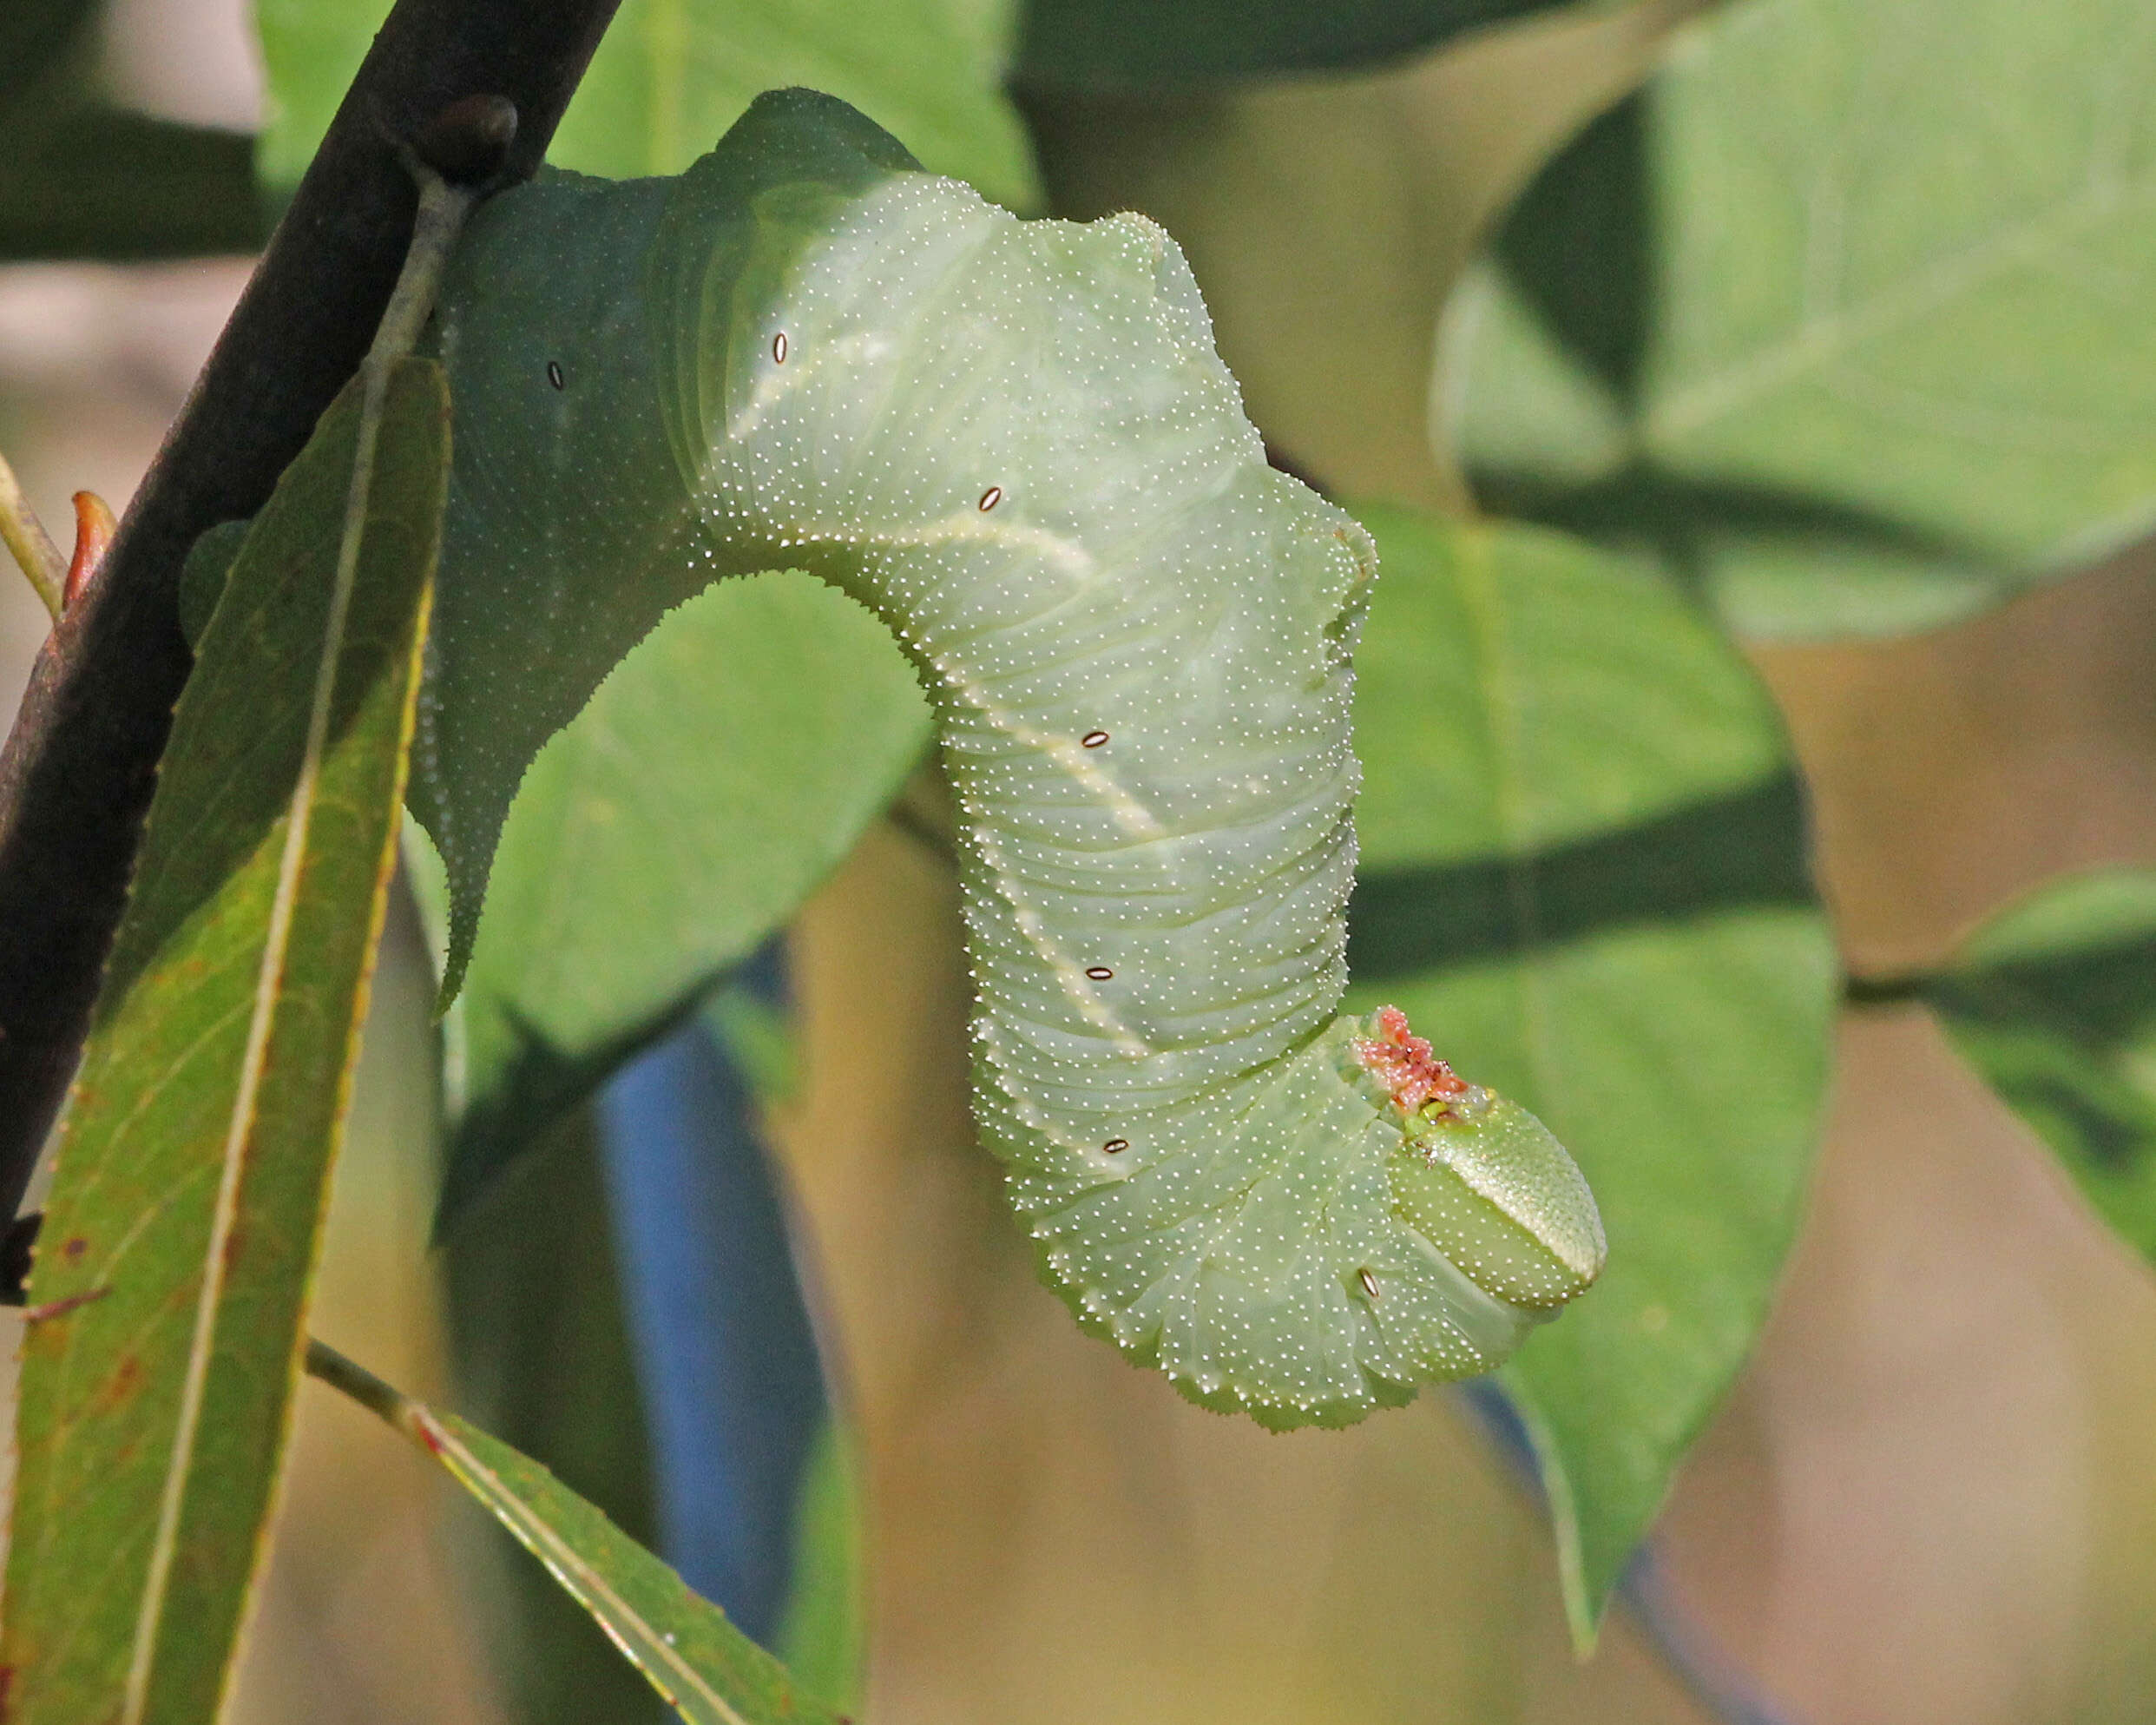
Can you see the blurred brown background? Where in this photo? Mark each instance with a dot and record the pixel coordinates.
(1931, 1497)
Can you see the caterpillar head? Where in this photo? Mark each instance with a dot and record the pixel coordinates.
(1480, 1178)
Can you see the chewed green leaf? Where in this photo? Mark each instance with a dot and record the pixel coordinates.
(1583, 873)
(179, 1243)
(1850, 376)
(702, 1667)
(2054, 1001)
(1015, 443)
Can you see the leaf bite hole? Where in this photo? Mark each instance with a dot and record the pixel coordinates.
(554, 374)
(990, 497)
(779, 348)
(1114, 1147)
(1093, 740)
(1099, 973)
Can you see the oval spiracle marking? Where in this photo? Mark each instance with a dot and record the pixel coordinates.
(1099, 973)
(554, 373)
(990, 497)
(1114, 1147)
(779, 348)
(1369, 1282)
(1093, 740)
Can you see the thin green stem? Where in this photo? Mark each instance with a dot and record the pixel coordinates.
(384, 1400)
(26, 537)
(443, 207)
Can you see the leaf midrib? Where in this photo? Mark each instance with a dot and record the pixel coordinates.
(1820, 339)
(268, 996)
(564, 1560)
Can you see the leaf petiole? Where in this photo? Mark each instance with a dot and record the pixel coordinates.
(391, 1404)
(26, 537)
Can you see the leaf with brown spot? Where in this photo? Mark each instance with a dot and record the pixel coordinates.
(158, 1367)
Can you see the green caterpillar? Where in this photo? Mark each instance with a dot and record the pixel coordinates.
(1013, 442)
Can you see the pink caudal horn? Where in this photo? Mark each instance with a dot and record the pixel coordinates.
(1405, 1063)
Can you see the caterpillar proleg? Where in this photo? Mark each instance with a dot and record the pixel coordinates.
(1013, 441)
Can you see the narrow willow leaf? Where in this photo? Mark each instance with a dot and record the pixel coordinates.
(1844, 317)
(179, 1244)
(671, 74)
(1134, 45)
(717, 774)
(706, 1669)
(1583, 873)
(1015, 443)
(2054, 1001)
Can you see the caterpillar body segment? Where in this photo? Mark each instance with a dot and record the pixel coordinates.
(1015, 443)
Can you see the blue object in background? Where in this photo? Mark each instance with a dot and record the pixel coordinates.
(732, 1391)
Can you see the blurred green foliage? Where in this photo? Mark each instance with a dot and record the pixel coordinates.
(1839, 317)
(672, 74)
(86, 178)
(1132, 45)
(2054, 1001)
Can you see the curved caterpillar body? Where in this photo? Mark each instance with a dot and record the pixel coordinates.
(1013, 441)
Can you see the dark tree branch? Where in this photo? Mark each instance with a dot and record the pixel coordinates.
(78, 768)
